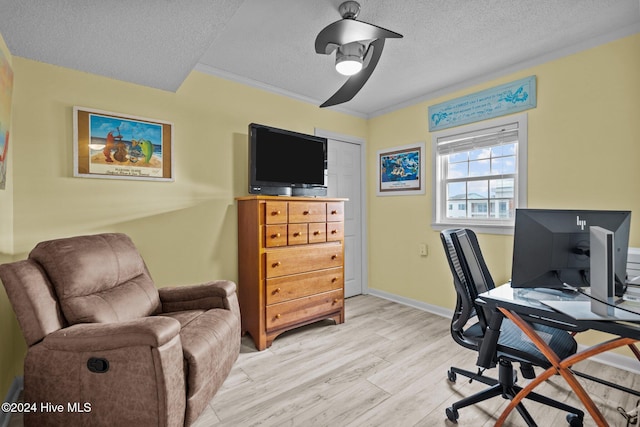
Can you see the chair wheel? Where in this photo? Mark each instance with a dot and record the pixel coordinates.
(574, 420)
(452, 414)
(452, 376)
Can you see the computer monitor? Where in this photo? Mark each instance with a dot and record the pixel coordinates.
(551, 246)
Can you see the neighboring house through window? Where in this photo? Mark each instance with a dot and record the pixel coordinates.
(480, 174)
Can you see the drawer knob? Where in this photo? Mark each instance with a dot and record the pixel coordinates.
(334, 231)
(305, 213)
(274, 213)
(315, 233)
(276, 264)
(334, 280)
(335, 301)
(276, 291)
(275, 236)
(334, 256)
(334, 212)
(278, 316)
(296, 234)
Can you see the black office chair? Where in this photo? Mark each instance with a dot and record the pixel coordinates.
(470, 278)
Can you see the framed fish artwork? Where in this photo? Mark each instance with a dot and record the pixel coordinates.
(401, 171)
(118, 146)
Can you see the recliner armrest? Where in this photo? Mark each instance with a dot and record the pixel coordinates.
(151, 331)
(214, 294)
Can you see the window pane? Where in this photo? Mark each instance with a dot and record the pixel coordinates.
(478, 190)
(457, 170)
(457, 191)
(456, 200)
(479, 208)
(454, 211)
(458, 157)
(503, 165)
(504, 150)
(502, 188)
(481, 153)
(479, 168)
(502, 209)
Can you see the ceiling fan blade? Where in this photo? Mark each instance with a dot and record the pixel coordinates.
(348, 30)
(357, 81)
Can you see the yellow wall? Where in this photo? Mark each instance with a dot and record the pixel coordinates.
(583, 152)
(185, 230)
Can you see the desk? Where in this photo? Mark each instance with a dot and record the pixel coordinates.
(522, 306)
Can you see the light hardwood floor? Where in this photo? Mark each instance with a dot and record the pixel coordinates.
(385, 366)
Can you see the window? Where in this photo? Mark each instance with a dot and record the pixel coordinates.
(480, 174)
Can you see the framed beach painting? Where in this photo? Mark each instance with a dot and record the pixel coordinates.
(401, 171)
(117, 146)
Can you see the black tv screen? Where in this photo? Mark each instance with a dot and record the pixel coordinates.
(284, 162)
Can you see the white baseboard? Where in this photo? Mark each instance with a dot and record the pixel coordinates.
(616, 360)
(12, 396)
(435, 309)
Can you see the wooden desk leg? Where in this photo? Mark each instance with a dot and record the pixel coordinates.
(560, 366)
(635, 351)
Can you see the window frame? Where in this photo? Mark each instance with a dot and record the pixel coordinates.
(439, 201)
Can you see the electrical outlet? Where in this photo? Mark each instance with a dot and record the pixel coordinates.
(423, 249)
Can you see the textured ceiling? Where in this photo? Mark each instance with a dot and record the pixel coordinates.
(149, 42)
(270, 44)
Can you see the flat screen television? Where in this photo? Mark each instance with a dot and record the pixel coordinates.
(286, 163)
(552, 247)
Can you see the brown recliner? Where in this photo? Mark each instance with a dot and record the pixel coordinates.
(108, 346)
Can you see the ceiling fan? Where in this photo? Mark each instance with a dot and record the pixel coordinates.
(358, 47)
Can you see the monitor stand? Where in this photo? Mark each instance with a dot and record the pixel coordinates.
(602, 271)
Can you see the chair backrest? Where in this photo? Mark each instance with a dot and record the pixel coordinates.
(33, 299)
(465, 310)
(475, 269)
(478, 272)
(470, 277)
(99, 278)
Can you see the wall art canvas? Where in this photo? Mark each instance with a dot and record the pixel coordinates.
(110, 145)
(6, 92)
(497, 101)
(401, 170)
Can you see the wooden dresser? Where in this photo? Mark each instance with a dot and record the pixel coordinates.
(290, 263)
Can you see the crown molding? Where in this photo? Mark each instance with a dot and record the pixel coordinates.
(212, 71)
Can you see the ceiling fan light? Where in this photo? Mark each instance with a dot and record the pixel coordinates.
(349, 58)
(349, 65)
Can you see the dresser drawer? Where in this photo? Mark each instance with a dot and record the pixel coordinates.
(335, 231)
(301, 285)
(317, 232)
(275, 235)
(307, 212)
(294, 260)
(301, 309)
(275, 212)
(298, 234)
(335, 211)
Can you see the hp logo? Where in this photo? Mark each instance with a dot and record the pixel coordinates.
(581, 222)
